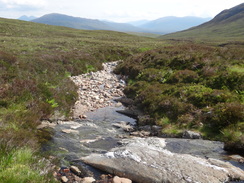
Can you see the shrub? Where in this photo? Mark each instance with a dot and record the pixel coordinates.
(229, 80)
(184, 76)
(152, 75)
(224, 114)
(192, 85)
(202, 96)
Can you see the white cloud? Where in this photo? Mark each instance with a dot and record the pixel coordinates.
(18, 4)
(116, 10)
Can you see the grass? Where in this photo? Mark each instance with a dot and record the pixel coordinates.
(22, 166)
(237, 68)
(217, 34)
(36, 61)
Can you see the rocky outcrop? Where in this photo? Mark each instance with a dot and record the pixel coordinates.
(96, 89)
(146, 160)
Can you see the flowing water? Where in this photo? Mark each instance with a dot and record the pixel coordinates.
(72, 140)
(75, 139)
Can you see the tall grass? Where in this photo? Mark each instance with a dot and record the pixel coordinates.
(20, 165)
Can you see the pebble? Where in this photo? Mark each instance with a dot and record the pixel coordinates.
(64, 179)
(88, 180)
(96, 89)
(117, 179)
(75, 170)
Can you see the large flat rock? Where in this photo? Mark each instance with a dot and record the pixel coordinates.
(146, 160)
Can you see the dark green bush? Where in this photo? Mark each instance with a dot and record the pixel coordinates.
(152, 75)
(184, 76)
(224, 114)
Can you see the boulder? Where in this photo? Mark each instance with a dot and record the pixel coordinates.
(191, 135)
(146, 160)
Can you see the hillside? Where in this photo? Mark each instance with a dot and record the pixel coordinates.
(229, 24)
(172, 24)
(36, 61)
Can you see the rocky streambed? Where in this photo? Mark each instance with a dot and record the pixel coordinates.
(111, 142)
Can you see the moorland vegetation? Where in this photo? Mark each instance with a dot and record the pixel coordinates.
(179, 84)
(190, 87)
(36, 61)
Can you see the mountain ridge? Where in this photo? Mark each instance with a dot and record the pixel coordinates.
(227, 24)
(173, 24)
(143, 26)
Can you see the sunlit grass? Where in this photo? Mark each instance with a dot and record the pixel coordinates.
(237, 68)
(21, 166)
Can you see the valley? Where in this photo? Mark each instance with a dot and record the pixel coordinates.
(185, 82)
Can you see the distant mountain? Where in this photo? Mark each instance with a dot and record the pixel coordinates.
(159, 26)
(172, 24)
(138, 22)
(27, 18)
(73, 22)
(227, 24)
(83, 23)
(124, 27)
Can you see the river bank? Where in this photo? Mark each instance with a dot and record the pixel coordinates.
(97, 128)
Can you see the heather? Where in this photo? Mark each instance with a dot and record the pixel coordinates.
(191, 87)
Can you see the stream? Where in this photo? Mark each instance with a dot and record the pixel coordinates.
(95, 133)
(74, 139)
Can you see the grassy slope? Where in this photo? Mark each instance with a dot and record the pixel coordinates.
(222, 33)
(35, 62)
(226, 26)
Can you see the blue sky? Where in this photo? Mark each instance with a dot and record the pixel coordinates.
(116, 10)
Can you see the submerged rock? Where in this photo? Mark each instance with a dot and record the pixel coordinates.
(237, 157)
(124, 125)
(147, 160)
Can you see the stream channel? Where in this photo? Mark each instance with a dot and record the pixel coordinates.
(72, 140)
(78, 138)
